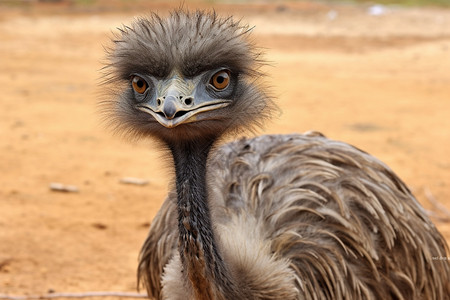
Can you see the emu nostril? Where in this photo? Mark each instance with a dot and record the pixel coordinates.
(188, 101)
(158, 102)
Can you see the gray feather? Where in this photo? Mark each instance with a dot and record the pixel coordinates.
(347, 225)
(292, 216)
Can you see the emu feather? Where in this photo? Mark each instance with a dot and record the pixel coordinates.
(273, 217)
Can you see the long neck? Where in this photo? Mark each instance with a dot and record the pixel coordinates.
(200, 256)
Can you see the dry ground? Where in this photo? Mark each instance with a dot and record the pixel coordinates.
(379, 82)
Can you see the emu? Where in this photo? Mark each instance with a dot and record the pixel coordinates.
(272, 217)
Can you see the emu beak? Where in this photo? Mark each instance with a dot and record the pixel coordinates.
(173, 114)
(178, 105)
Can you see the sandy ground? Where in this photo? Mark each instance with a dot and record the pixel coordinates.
(379, 82)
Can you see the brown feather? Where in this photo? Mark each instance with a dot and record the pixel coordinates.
(282, 216)
(340, 223)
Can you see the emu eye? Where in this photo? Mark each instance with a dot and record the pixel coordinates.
(220, 80)
(139, 84)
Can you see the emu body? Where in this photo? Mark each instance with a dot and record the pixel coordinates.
(305, 217)
(273, 217)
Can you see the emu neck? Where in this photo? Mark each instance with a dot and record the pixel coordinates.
(202, 263)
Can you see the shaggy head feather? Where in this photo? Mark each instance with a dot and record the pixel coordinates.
(189, 44)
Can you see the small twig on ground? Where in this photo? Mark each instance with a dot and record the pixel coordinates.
(133, 180)
(75, 295)
(59, 187)
(439, 212)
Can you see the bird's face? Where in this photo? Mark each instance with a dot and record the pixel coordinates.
(188, 77)
(177, 100)
(183, 107)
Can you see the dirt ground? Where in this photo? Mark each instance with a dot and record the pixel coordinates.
(381, 82)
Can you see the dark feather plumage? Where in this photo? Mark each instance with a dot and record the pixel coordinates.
(347, 226)
(274, 217)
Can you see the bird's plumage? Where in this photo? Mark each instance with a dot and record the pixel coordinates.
(273, 217)
(305, 217)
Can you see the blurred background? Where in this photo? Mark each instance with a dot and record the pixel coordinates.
(374, 74)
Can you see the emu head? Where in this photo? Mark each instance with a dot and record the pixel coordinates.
(185, 77)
